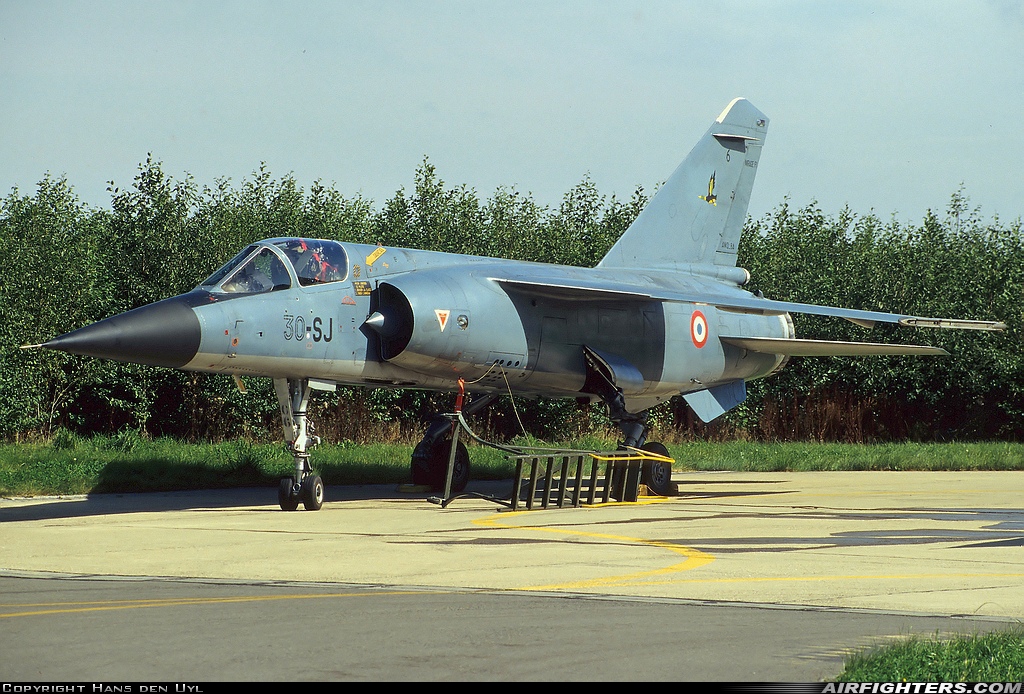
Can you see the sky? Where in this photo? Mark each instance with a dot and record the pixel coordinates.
(887, 107)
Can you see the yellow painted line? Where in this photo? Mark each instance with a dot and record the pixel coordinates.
(863, 577)
(105, 606)
(903, 492)
(795, 579)
(694, 558)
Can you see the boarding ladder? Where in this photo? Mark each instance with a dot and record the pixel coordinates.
(552, 477)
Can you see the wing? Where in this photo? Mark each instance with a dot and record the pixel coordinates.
(601, 289)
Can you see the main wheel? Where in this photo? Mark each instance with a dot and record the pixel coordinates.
(657, 474)
(430, 465)
(312, 493)
(285, 498)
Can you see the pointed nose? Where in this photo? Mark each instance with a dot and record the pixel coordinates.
(166, 333)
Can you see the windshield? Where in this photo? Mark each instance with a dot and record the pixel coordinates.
(263, 272)
(315, 260)
(216, 277)
(254, 270)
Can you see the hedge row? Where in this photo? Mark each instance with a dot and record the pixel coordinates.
(66, 264)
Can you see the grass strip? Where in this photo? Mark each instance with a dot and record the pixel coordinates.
(817, 457)
(992, 657)
(130, 463)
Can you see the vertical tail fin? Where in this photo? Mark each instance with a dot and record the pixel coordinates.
(696, 218)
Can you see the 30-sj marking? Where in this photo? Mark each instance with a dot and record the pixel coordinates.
(295, 328)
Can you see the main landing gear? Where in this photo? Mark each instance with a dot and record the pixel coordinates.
(304, 486)
(655, 474)
(430, 457)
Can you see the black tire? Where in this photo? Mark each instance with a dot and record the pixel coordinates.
(312, 493)
(285, 498)
(430, 465)
(421, 463)
(657, 475)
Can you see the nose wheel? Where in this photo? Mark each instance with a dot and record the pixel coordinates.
(309, 492)
(287, 495)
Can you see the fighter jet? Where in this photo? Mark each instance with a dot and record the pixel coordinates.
(664, 313)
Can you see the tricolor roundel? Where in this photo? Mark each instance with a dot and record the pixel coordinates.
(698, 329)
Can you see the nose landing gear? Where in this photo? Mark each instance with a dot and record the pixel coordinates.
(304, 486)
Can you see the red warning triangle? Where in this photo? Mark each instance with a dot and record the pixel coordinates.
(442, 317)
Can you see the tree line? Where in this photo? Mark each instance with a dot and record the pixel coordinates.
(66, 264)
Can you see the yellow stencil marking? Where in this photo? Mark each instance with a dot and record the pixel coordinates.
(372, 258)
(694, 558)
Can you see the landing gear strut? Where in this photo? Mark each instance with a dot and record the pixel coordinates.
(304, 485)
(655, 474)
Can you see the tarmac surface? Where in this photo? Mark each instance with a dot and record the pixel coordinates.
(742, 577)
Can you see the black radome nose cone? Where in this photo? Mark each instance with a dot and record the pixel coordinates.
(166, 333)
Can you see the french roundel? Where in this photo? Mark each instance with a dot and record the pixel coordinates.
(698, 329)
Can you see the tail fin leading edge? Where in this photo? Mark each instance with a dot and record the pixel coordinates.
(698, 215)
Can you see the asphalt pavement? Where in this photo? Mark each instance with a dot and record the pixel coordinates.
(741, 577)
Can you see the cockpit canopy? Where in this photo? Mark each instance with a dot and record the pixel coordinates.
(277, 263)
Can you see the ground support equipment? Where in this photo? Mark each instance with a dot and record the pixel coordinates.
(549, 477)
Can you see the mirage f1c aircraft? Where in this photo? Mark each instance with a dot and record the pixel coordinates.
(664, 313)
